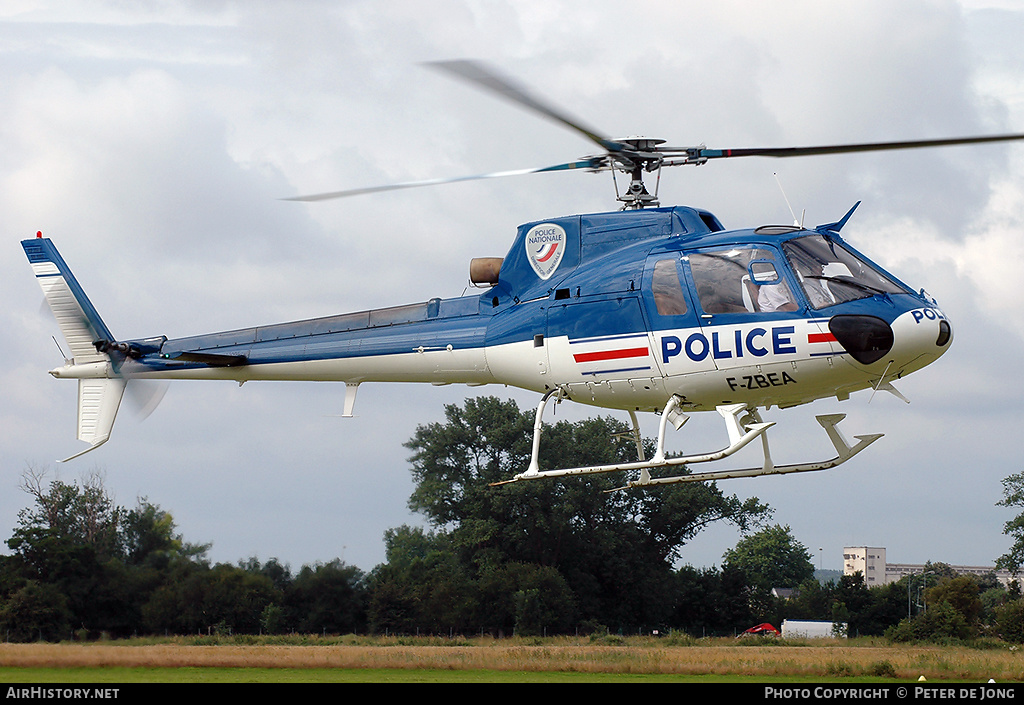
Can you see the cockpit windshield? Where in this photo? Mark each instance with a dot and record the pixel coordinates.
(831, 274)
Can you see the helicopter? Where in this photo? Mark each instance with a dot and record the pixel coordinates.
(644, 309)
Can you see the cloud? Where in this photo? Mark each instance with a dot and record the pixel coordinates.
(154, 141)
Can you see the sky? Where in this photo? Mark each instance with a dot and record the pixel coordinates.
(154, 141)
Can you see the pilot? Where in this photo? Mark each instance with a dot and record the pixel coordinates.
(817, 292)
(813, 281)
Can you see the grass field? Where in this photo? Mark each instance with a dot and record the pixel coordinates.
(355, 659)
(96, 676)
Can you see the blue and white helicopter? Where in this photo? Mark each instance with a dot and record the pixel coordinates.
(645, 309)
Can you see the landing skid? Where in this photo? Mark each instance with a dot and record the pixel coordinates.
(743, 426)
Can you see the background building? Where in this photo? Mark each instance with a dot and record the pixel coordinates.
(870, 561)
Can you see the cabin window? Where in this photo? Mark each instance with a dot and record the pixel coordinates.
(831, 274)
(740, 280)
(668, 292)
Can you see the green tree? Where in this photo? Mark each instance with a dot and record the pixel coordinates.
(951, 608)
(940, 622)
(424, 587)
(1009, 621)
(149, 537)
(44, 557)
(178, 604)
(855, 596)
(104, 559)
(36, 611)
(280, 575)
(392, 607)
(771, 558)
(327, 597)
(887, 606)
(962, 593)
(711, 602)
(84, 514)
(992, 598)
(614, 549)
(235, 599)
(395, 587)
(1013, 496)
(812, 601)
(840, 619)
(272, 620)
(526, 599)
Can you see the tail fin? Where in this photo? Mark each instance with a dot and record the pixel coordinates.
(81, 326)
(86, 336)
(98, 401)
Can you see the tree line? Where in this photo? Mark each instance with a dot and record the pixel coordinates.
(530, 558)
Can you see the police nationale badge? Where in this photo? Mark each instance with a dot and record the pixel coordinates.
(545, 245)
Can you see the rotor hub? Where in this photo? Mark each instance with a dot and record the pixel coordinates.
(641, 144)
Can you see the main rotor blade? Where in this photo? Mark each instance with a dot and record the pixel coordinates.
(703, 152)
(592, 163)
(477, 73)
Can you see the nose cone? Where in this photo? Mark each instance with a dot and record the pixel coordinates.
(914, 339)
(922, 336)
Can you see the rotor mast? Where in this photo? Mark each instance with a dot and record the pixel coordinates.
(640, 156)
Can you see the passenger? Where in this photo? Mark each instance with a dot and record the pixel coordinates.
(775, 297)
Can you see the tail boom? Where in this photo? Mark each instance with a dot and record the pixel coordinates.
(441, 341)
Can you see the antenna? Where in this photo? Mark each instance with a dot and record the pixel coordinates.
(797, 222)
(66, 358)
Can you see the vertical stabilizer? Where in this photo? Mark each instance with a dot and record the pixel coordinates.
(86, 335)
(98, 401)
(81, 326)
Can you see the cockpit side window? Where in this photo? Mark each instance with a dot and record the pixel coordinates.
(740, 280)
(668, 292)
(831, 274)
